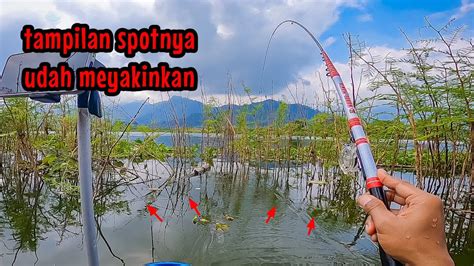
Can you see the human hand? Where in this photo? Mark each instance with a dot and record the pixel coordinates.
(414, 234)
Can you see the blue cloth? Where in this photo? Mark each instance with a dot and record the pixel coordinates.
(91, 101)
(87, 99)
(48, 98)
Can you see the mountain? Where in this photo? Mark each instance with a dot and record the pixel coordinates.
(191, 112)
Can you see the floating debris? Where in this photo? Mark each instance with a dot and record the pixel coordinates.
(217, 234)
(201, 169)
(228, 217)
(316, 182)
(222, 227)
(200, 220)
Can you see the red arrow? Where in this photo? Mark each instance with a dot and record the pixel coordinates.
(270, 214)
(194, 206)
(311, 226)
(153, 211)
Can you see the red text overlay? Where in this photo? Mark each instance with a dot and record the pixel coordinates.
(80, 38)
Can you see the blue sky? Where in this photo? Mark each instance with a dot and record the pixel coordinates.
(233, 34)
(379, 22)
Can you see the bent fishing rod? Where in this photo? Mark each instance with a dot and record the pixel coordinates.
(358, 136)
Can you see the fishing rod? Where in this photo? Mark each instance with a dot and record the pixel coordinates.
(358, 136)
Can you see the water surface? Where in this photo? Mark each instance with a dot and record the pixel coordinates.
(248, 240)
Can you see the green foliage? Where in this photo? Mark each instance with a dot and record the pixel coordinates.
(433, 95)
(141, 150)
(209, 154)
(282, 116)
(143, 129)
(118, 126)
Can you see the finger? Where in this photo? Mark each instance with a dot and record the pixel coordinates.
(374, 237)
(369, 226)
(403, 189)
(392, 196)
(376, 209)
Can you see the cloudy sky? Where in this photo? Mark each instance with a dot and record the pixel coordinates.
(233, 36)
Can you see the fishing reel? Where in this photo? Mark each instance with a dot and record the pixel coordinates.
(348, 161)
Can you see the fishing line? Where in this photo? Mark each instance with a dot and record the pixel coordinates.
(271, 38)
(357, 133)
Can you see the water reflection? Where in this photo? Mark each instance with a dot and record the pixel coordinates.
(40, 224)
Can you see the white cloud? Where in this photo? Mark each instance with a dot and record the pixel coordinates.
(329, 41)
(248, 24)
(224, 31)
(41, 13)
(466, 7)
(365, 17)
(312, 79)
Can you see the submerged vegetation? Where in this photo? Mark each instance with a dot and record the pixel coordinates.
(429, 136)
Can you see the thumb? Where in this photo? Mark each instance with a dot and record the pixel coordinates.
(375, 208)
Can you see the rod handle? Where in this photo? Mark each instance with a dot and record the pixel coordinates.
(386, 259)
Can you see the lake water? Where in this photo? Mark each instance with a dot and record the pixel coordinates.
(248, 239)
(41, 225)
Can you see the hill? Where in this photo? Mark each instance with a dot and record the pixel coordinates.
(191, 112)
